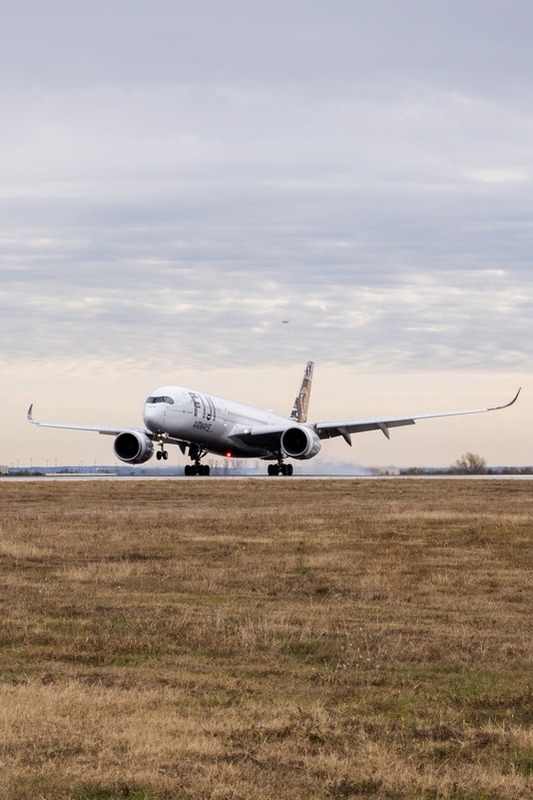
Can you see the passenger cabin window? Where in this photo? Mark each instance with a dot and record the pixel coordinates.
(162, 399)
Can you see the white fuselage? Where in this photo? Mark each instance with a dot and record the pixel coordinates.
(208, 421)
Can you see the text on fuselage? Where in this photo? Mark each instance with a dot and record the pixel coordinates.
(203, 407)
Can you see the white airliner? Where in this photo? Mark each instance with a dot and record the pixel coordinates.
(201, 423)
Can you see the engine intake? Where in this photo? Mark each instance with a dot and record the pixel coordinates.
(299, 442)
(133, 447)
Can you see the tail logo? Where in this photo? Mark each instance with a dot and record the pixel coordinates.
(301, 403)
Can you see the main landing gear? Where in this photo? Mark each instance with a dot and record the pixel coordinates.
(196, 454)
(280, 469)
(197, 469)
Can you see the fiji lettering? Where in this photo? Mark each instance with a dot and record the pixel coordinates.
(203, 406)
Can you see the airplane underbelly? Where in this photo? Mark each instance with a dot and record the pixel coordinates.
(217, 441)
(230, 450)
(212, 435)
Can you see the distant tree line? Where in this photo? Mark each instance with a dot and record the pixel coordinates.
(470, 464)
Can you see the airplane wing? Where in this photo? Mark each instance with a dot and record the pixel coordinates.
(344, 428)
(105, 430)
(97, 429)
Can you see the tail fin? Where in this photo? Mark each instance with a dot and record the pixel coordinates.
(301, 403)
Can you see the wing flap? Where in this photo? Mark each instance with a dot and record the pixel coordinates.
(344, 428)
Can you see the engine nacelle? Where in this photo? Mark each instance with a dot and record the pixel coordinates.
(133, 447)
(299, 442)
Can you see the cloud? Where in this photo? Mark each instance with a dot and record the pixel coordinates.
(177, 179)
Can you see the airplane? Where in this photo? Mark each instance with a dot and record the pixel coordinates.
(201, 423)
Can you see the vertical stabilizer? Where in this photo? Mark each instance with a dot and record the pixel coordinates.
(301, 403)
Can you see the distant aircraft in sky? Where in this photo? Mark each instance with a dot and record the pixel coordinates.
(201, 423)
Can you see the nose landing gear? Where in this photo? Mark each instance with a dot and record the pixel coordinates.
(161, 454)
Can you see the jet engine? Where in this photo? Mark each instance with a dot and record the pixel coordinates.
(299, 442)
(133, 446)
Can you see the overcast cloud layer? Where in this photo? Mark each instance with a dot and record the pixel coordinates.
(177, 178)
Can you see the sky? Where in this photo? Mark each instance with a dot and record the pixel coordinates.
(177, 178)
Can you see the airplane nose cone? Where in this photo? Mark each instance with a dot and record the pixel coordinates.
(154, 417)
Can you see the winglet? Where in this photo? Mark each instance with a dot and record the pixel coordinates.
(506, 405)
(30, 410)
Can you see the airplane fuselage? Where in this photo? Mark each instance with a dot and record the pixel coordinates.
(210, 422)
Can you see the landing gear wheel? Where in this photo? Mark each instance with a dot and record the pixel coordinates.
(197, 469)
(286, 469)
(280, 469)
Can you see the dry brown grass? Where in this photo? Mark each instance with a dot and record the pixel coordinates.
(266, 639)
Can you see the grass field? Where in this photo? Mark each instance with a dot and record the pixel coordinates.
(266, 639)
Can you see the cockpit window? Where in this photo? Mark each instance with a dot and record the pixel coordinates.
(162, 399)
